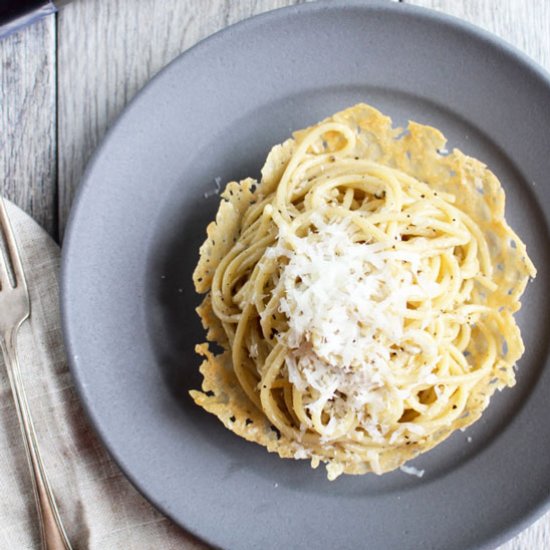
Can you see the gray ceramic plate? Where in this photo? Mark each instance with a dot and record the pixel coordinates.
(141, 214)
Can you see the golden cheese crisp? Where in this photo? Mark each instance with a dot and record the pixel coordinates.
(363, 293)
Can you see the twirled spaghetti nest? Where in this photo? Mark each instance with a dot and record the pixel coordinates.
(363, 292)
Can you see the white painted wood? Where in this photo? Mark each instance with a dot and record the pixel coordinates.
(27, 121)
(108, 49)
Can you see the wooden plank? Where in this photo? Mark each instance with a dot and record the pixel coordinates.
(108, 49)
(27, 121)
(525, 25)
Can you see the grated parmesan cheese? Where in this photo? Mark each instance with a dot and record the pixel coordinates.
(411, 470)
(253, 350)
(347, 303)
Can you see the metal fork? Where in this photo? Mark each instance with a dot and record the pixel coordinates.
(14, 311)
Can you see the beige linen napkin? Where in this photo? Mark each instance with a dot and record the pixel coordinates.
(99, 507)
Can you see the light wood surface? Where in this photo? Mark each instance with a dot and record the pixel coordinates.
(65, 79)
(27, 121)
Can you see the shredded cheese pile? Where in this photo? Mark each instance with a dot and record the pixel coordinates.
(347, 304)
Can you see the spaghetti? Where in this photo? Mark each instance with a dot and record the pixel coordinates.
(364, 293)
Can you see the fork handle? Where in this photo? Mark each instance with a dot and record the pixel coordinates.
(51, 528)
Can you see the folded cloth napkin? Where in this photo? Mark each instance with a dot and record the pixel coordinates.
(99, 507)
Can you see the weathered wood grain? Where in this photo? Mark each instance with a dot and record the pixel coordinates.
(27, 121)
(108, 49)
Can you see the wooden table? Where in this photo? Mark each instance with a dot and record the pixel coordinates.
(65, 79)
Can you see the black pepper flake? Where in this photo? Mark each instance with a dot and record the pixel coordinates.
(422, 196)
